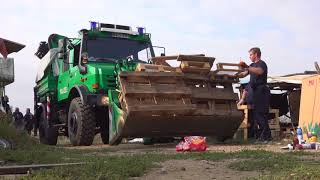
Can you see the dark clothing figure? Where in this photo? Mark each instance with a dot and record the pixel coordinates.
(261, 99)
(5, 105)
(29, 122)
(18, 119)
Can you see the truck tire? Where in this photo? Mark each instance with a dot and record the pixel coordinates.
(81, 123)
(47, 135)
(103, 118)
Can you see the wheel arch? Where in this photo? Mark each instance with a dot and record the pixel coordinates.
(78, 91)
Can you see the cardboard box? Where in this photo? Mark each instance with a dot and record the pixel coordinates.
(309, 118)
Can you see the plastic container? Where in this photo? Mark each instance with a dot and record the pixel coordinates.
(300, 135)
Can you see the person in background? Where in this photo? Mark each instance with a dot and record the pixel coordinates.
(17, 119)
(29, 120)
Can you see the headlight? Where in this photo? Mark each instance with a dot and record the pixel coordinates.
(104, 100)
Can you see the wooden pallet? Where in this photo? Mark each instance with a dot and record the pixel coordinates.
(197, 64)
(195, 67)
(226, 72)
(156, 68)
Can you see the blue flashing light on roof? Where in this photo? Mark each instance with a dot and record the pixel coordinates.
(140, 30)
(93, 25)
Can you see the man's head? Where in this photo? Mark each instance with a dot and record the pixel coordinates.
(84, 58)
(255, 54)
(17, 109)
(28, 110)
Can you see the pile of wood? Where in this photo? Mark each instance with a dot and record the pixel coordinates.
(160, 100)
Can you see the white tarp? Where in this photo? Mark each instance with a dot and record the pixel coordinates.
(6, 71)
(294, 79)
(51, 58)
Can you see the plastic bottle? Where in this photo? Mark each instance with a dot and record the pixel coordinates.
(299, 135)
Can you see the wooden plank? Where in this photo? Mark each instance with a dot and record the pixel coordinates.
(244, 107)
(195, 67)
(224, 65)
(23, 169)
(156, 68)
(156, 89)
(196, 58)
(161, 108)
(150, 74)
(214, 93)
(200, 77)
(195, 70)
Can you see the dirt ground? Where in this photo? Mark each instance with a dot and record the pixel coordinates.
(186, 169)
(192, 169)
(136, 148)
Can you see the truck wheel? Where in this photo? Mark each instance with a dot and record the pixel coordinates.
(81, 123)
(48, 135)
(103, 119)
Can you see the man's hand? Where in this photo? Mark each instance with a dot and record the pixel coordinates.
(243, 65)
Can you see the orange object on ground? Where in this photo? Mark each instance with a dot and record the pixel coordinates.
(192, 143)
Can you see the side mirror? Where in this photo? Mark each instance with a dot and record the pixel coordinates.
(162, 54)
(83, 61)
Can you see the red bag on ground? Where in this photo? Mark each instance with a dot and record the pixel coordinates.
(192, 143)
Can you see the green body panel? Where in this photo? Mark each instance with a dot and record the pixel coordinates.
(47, 85)
(98, 73)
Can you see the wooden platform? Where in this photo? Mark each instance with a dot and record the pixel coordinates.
(274, 124)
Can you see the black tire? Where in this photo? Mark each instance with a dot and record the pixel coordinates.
(81, 123)
(47, 135)
(103, 118)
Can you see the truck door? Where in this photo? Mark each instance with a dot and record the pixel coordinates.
(64, 77)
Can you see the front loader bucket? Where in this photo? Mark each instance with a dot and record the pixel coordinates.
(157, 101)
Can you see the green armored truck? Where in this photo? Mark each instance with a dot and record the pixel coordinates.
(109, 81)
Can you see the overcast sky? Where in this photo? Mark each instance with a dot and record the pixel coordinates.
(287, 31)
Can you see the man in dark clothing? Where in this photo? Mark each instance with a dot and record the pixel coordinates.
(18, 119)
(258, 71)
(29, 121)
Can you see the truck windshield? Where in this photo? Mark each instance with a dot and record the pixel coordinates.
(115, 48)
